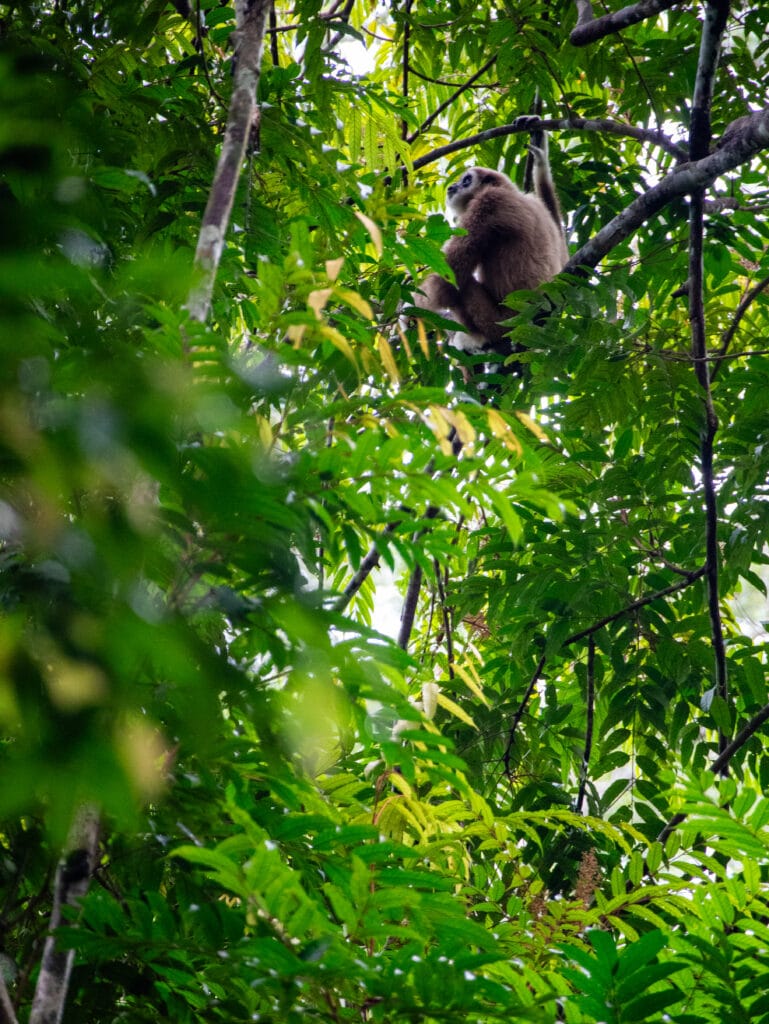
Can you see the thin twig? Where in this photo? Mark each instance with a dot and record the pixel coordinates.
(409, 611)
(590, 702)
(404, 123)
(722, 762)
(368, 564)
(731, 330)
(441, 580)
(520, 713)
(447, 103)
(690, 578)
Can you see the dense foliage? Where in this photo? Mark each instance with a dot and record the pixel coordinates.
(546, 801)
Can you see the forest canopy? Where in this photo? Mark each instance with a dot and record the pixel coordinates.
(345, 675)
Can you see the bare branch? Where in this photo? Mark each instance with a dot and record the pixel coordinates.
(409, 610)
(690, 578)
(520, 713)
(749, 136)
(590, 30)
(589, 725)
(722, 761)
(716, 14)
(73, 877)
(7, 1014)
(731, 330)
(242, 118)
(447, 103)
(367, 565)
(606, 125)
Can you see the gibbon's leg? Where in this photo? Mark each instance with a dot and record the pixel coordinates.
(436, 293)
(477, 307)
(474, 308)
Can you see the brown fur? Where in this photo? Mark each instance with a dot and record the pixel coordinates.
(514, 240)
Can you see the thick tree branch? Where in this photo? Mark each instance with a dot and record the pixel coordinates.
(590, 30)
(251, 19)
(743, 139)
(716, 14)
(73, 877)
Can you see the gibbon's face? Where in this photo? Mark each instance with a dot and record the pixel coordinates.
(461, 192)
(469, 185)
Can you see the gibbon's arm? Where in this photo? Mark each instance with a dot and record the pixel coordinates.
(544, 186)
(489, 218)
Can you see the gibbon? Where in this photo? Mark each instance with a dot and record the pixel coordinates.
(514, 240)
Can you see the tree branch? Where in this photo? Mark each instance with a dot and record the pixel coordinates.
(690, 578)
(590, 701)
(716, 14)
(590, 29)
(744, 138)
(721, 762)
(455, 95)
(242, 118)
(7, 1014)
(731, 330)
(368, 564)
(73, 876)
(409, 610)
(573, 123)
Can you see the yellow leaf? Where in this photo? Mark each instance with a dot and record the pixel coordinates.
(264, 430)
(535, 428)
(317, 300)
(356, 301)
(339, 341)
(455, 710)
(462, 425)
(333, 267)
(471, 682)
(398, 782)
(295, 333)
(501, 430)
(373, 230)
(440, 426)
(388, 360)
(424, 344)
(405, 342)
